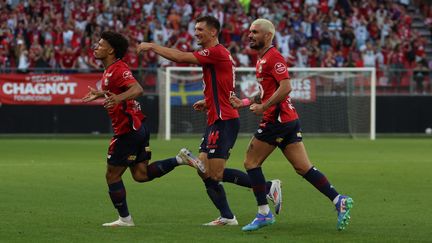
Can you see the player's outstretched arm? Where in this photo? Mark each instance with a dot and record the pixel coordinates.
(135, 90)
(278, 96)
(168, 53)
(93, 94)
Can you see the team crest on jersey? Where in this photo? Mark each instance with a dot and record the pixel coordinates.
(280, 68)
(205, 52)
(127, 74)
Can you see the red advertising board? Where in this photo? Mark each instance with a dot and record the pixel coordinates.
(303, 89)
(47, 89)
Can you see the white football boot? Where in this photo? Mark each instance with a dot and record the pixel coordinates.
(220, 221)
(187, 158)
(121, 222)
(275, 195)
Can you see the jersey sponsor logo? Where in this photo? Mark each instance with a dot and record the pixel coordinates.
(280, 68)
(127, 74)
(204, 53)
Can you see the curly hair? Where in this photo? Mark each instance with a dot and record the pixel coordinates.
(117, 41)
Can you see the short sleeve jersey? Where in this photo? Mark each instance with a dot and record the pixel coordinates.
(219, 82)
(126, 116)
(270, 70)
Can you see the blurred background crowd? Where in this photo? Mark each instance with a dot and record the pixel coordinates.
(386, 34)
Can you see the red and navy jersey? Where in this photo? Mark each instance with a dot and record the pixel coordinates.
(127, 115)
(219, 82)
(270, 70)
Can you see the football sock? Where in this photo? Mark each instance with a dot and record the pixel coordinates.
(240, 178)
(217, 194)
(320, 182)
(117, 194)
(258, 185)
(160, 168)
(264, 209)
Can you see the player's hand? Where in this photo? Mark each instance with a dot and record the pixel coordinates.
(235, 102)
(143, 46)
(93, 94)
(111, 100)
(257, 109)
(200, 105)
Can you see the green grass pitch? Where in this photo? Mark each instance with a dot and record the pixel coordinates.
(53, 190)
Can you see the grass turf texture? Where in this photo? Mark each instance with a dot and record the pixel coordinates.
(53, 190)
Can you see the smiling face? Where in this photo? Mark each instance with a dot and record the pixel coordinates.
(102, 49)
(257, 37)
(204, 34)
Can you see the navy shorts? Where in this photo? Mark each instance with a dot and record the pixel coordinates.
(130, 148)
(219, 138)
(280, 134)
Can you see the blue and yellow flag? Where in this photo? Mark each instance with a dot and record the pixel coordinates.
(186, 93)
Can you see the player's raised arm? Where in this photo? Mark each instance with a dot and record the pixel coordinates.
(171, 54)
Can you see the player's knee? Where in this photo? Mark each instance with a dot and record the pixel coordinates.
(216, 175)
(301, 170)
(111, 177)
(140, 177)
(248, 165)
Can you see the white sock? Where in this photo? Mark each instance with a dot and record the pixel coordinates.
(336, 199)
(126, 219)
(179, 160)
(263, 209)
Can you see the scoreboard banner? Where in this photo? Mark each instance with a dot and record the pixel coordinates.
(47, 89)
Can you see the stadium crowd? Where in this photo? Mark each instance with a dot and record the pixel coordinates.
(310, 33)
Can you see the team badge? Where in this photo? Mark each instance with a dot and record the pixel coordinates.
(204, 53)
(280, 68)
(127, 74)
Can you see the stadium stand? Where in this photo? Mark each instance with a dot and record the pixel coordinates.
(392, 35)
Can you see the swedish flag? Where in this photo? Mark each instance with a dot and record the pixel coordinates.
(186, 93)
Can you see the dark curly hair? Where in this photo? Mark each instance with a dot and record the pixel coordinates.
(117, 41)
